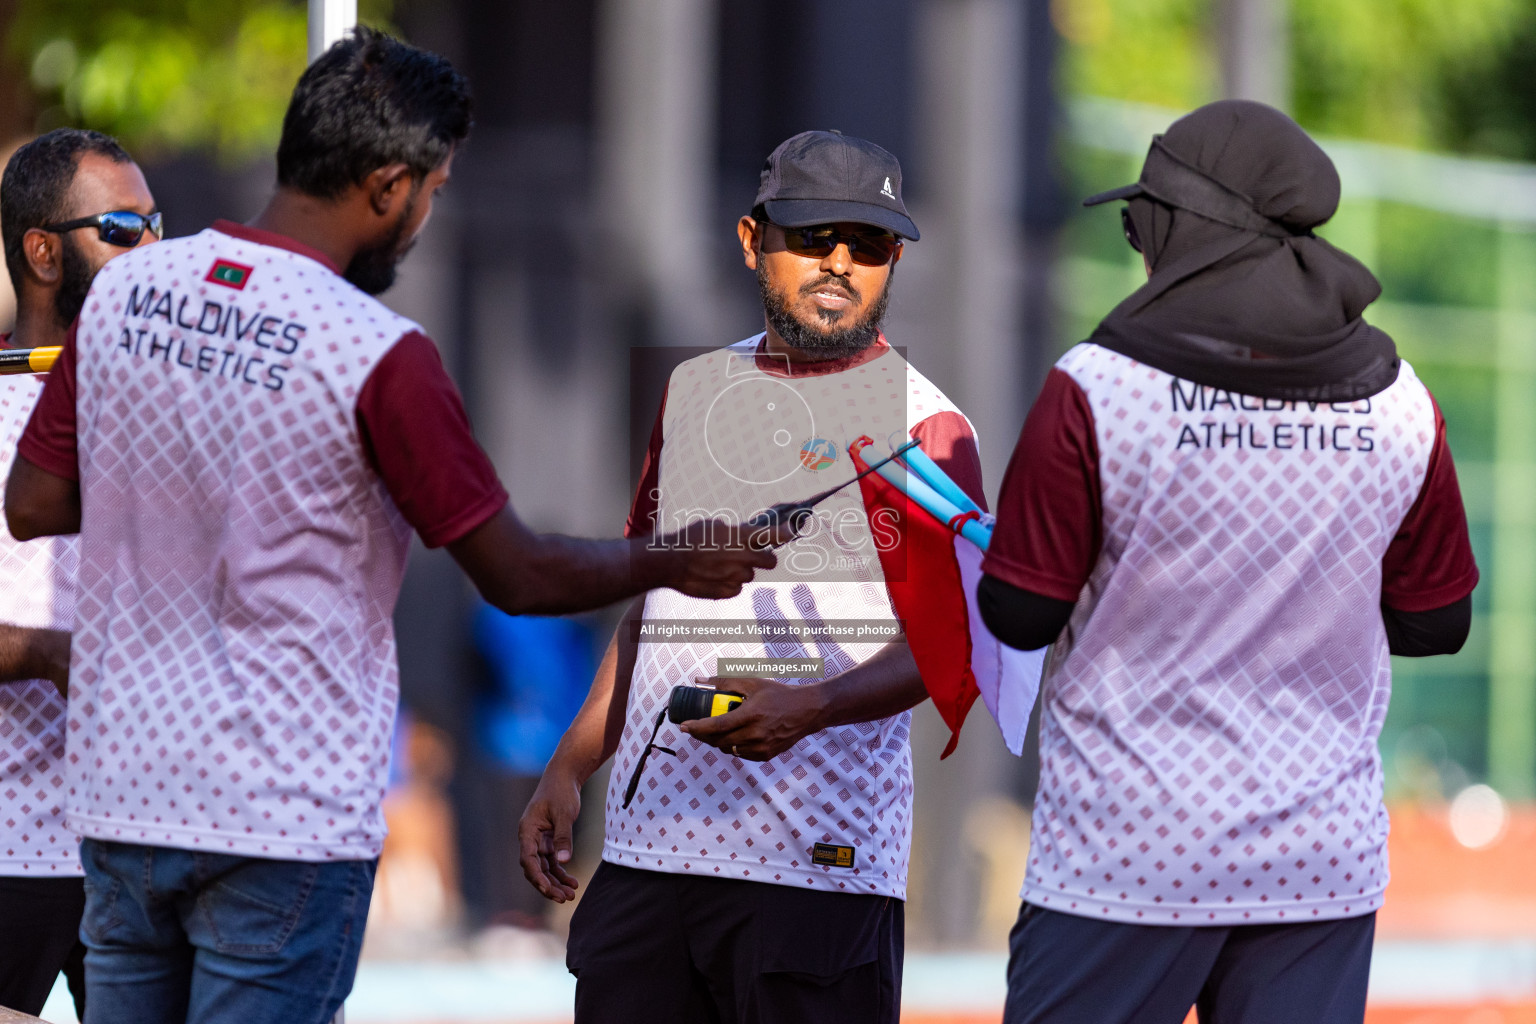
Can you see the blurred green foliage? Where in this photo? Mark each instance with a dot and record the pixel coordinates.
(1149, 51)
(1440, 74)
(167, 75)
(1381, 69)
(1413, 265)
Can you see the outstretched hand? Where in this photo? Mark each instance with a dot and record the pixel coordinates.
(773, 717)
(544, 835)
(717, 558)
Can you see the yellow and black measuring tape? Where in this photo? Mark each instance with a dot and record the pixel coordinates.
(28, 360)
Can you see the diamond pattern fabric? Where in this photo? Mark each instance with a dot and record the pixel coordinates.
(732, 445)
(37, 590)
(234, 661)
(1212, 710)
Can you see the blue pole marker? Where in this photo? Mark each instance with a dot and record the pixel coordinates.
(935, 504)
(929, 472)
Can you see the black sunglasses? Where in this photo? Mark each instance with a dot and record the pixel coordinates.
(118, 227)
(634, 780)
(871, 248)
(1130, 228)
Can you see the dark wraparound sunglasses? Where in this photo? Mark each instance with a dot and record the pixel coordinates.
(871, 248)
(118, 227)
(1130, 228)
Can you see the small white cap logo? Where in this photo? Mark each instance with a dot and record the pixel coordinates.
(886, 191)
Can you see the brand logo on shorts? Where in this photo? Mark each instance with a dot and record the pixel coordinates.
(831, 856)
(229, 274)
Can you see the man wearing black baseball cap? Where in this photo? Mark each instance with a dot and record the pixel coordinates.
(732, 839)
(824, 177)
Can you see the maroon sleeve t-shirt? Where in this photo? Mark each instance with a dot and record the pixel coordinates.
(1048, 537)
(410, 420)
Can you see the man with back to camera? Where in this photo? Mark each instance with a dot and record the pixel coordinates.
(1226, 509)
(244, 438)
(70, 200)
(759, 873)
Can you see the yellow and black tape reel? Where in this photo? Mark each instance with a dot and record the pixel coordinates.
(29, 360)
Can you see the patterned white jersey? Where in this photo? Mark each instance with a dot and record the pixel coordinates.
(37, 590)
(834, 811)
(1211, 713)
(234, 660)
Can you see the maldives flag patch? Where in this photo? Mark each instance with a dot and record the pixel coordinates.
(229, 274)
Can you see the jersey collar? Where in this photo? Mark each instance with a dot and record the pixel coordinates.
(782, 368)
(275, 240)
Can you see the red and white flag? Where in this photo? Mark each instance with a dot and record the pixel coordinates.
(931, 573)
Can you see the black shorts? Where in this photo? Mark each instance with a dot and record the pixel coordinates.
(39, 938)
(1063, 969)
(653, 948)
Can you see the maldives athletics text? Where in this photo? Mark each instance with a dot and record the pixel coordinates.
(265, 335)
(1342, 435)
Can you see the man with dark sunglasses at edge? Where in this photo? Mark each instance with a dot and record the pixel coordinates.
(244, 438)
(1226, 509)
(754, 865)
(70, 201)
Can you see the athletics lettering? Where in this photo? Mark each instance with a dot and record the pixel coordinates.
(227, 363)
(211, 319)
(1316, 437)
(1254, 434)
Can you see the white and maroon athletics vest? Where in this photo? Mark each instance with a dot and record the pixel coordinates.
(37, 591)
(834, 811)
(1208, 740)
(234, 660)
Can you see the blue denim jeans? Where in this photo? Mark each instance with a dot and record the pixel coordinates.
(188, 937)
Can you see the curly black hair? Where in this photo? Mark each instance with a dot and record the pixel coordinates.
(369, 101)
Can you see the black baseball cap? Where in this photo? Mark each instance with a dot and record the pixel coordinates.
(1172, 181)
(825, 177)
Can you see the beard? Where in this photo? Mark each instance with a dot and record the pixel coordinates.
(821, 340)
(76, 275)
(373, 269)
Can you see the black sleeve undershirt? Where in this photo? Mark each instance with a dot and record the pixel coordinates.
(1021, 618)
(1027, 621)
(1421, 634)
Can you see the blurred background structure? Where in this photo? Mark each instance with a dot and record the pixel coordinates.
(592, 213)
